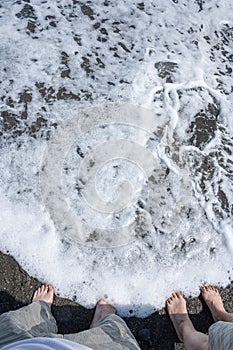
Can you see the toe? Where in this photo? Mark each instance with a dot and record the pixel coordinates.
(179, 294)
(205, 289)
(50, 288)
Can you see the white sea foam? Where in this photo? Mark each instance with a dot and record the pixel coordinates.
(99, 196)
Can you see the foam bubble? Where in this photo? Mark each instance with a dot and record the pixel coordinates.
(123, 122)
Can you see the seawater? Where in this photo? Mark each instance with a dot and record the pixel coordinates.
(70, 63)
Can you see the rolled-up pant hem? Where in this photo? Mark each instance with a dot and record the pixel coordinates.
(36, 320)
(111, 333)
(221, 336)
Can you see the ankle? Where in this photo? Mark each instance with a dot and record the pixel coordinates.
(222, 315)
(186, 328)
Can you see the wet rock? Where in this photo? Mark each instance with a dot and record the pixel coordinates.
(27, 12)
(9, 121)
(204, 128)
(86, 65)
(37, 125)
(65, 73)
(144, 335)
(52, 22)
(165, 70)
(87, 11)
(141, 6)
(31, 26)
(25, 97)
(122, 45)
(77, 39)
(63, 94)
(200, 3)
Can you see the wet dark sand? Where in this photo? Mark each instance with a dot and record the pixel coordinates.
(153, 332)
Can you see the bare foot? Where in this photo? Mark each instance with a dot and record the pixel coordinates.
(44, 293)
(214, 302)
(176, 307)
(102, 310)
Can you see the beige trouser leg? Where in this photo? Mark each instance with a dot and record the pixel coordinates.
(111, 333)
(34, 320)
